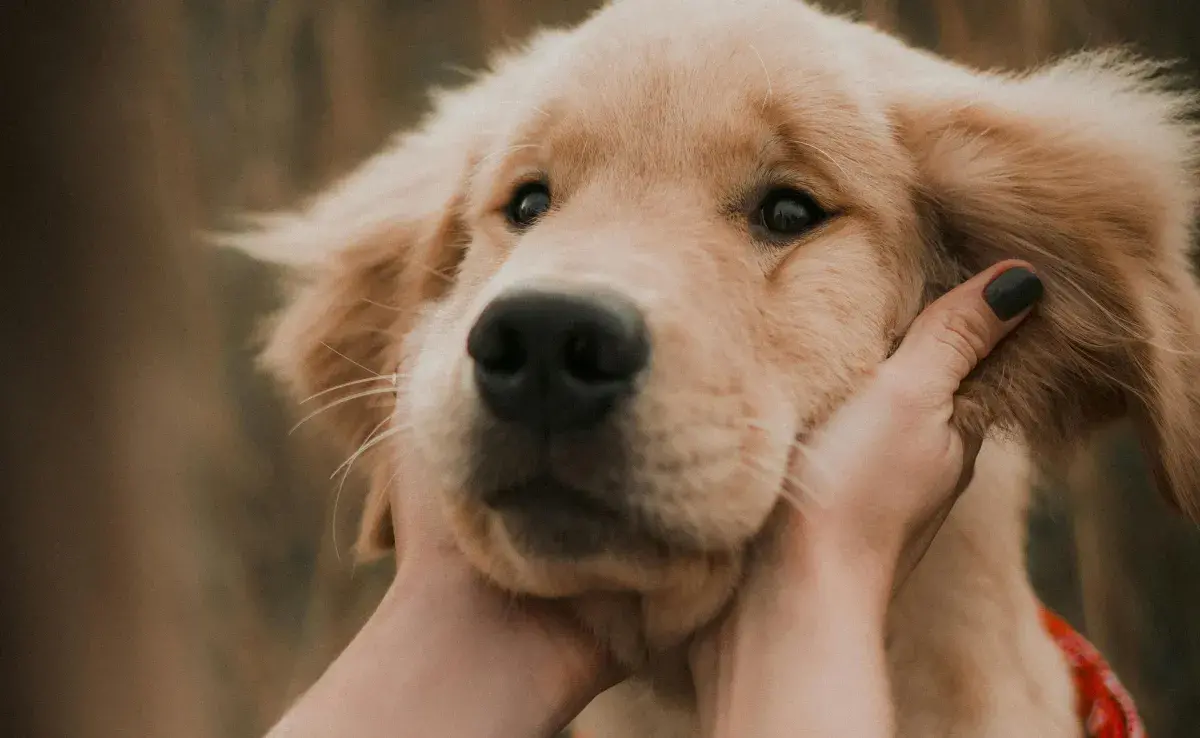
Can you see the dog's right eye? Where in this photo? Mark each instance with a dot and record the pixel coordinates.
(786, 212)
(529, 202)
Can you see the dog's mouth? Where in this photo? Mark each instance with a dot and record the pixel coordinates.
(548, 497)
(546, 516)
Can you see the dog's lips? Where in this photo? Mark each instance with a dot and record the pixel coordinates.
(547, 496)
(547, 517)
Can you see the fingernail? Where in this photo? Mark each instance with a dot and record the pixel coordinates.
(1012, 292)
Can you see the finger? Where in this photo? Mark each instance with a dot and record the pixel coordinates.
(960, 328)
(971, 446)
(924, 534)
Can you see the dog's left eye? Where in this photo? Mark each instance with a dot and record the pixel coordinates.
(528, 203)
(788, 212)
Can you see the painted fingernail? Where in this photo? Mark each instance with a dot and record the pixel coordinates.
(1012, 292)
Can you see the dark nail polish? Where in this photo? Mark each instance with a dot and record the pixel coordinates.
(1013, 292)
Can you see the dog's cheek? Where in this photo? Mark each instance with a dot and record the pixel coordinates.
(615, 619)
(699, 592)
(436, 402)
(488, 549)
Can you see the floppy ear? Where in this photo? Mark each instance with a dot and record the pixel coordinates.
(372, 251)
(365, 256)
(1085, 169)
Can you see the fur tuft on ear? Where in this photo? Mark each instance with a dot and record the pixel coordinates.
(370, 252)
(1085, 169)
(363, 258)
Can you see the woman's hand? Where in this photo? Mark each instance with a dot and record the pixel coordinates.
(447, 654)
(802, 651)
(879, 478)
(564, 661)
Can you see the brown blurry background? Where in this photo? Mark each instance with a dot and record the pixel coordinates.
(169, 559)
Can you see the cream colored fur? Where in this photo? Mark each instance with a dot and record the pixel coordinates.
(655, 123)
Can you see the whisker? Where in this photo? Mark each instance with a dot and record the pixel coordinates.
(467, 72)
(337, 497)
(377, 304)
(352, 361)
(807, 495)
(386, 485)
(519, 103)
(393, 378)
(797, 502)
(767, 74)
(371, 441)
(342, 401)
(507, 150)
(825, 154)
(810, 494)
(447, 278)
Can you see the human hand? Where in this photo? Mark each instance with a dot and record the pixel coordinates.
(446, 653)
(868, 492)
(876, 482)
(538, 637)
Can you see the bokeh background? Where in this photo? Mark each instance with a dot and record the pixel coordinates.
(170, 564)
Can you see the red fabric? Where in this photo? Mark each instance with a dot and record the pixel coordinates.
(1103, 705)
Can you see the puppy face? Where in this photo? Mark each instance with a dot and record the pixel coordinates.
(664, 282)
(621, 274)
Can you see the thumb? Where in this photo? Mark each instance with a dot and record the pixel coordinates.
(960, 328)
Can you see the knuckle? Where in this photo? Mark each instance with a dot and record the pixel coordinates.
(965, 333)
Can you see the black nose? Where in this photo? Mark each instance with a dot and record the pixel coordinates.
(557, 361)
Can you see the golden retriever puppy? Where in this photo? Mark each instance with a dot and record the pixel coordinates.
(622, 273)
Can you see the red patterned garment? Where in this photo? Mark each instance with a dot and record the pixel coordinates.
(1106, 709)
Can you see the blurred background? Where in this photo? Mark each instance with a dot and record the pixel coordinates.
(170, 559)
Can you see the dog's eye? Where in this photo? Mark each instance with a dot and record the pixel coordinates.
(529, 202)
(788, 212)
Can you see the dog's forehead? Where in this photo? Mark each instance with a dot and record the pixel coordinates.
(707, 91)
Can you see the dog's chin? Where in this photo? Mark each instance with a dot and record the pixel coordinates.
(640, 589)
(635, 602)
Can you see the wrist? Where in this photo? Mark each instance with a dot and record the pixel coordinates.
(819, 579)
(813, 622)
(854, 568)
(859, 561)
(433, 661)
(534, 664)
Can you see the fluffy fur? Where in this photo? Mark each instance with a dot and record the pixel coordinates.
(658, 124)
